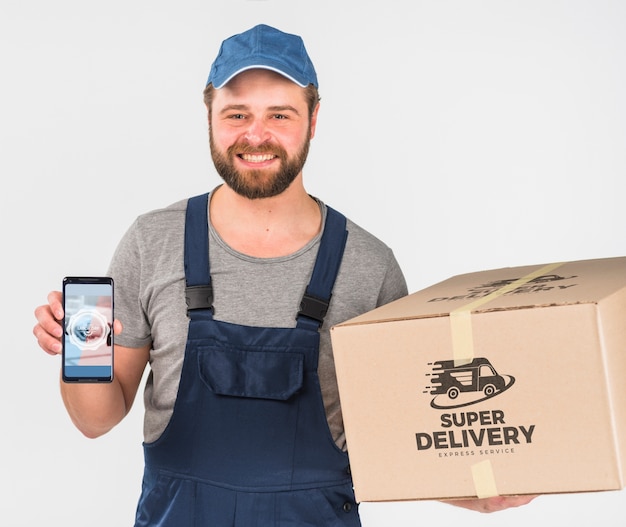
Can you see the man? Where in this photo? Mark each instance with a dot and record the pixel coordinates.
(229, 296)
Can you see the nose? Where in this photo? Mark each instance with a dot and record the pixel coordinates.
(257, 132)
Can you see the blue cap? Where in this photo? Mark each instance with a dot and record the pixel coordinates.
(267, 48)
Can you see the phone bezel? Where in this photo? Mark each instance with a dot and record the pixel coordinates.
(86, 378)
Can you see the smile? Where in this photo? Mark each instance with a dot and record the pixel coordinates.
(257, 158)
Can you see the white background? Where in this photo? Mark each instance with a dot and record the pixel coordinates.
(466, 134)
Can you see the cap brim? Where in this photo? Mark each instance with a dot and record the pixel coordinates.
(262, 67)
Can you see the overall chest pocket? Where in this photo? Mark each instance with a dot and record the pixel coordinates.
(247, 373)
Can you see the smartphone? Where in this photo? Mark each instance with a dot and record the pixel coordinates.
(87, 329)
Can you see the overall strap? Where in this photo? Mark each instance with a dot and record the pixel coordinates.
(199, 290)
(314, 304)
(316, 298)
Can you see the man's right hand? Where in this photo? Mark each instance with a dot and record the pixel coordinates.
(48, 330)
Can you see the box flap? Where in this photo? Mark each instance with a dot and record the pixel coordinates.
(583, 281)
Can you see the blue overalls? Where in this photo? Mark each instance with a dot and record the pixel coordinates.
(248, 444)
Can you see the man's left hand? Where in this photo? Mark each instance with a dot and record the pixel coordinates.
(495, 504)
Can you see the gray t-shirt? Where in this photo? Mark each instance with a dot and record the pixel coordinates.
(148, 269)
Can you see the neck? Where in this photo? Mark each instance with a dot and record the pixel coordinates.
(268, 227)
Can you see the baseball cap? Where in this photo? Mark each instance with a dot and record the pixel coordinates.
(263, 47)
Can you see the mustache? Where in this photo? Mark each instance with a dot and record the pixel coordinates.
(243, 147)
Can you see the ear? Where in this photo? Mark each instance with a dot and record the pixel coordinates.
(314, 120)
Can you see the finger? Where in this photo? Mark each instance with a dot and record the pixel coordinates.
(500, 503)
(48, 322)
(117, 327)
(55, 301)
(51, 345)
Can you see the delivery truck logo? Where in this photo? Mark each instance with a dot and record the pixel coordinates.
(455, 386)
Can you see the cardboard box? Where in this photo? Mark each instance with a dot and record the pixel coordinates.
(501, 382)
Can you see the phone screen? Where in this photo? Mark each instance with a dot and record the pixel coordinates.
(88, 329)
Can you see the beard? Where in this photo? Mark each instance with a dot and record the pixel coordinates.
(257, 184)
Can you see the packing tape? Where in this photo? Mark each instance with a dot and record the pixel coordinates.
(484, 480)
(461, 318)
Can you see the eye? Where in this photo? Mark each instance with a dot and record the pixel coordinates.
(280, 116)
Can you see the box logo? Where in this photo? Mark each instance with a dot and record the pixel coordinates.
(470, 433)
(513, 286)
(455, 386)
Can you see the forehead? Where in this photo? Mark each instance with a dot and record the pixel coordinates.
(259, 86)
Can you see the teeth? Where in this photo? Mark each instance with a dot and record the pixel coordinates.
(257, 158)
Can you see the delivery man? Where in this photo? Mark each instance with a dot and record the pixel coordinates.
(229, 296)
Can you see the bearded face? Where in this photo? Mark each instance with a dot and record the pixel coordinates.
(262, 182)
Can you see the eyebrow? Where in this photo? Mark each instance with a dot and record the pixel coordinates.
(244, 107)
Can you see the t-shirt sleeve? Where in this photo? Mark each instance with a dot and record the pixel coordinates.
(125, 268)
(394, 285)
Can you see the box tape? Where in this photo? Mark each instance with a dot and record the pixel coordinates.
(463, 353)
(461, 318)
(484, 480)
